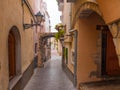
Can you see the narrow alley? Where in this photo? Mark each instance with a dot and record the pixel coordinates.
(51, 77)
(60, 45)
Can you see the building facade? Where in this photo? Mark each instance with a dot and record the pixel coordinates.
(68, 47)
(42, 53)
(44, 27)
(17, 43)
(94, 29)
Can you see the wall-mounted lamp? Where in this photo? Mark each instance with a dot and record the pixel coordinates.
(39, 18)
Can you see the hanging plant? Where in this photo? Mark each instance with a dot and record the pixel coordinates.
(60, 27)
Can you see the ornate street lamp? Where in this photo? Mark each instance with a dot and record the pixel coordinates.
(39, 18)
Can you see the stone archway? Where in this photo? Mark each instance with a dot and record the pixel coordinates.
(42, 43)
(14, 52)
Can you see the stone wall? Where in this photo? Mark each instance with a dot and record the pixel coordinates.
(43, 49)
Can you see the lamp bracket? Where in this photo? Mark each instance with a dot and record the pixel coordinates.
(27, 26)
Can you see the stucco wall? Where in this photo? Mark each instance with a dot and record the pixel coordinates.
(69, 64)
(32, 4)
(66, 20)
(110, 9)
(66, 15)
(110, 13)
(12, 16)
(87, 47)
(28, 43)
(9, 17)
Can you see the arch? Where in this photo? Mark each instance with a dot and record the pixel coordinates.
(102, 46)
(42, 42)
(86, 6)
(14, 37)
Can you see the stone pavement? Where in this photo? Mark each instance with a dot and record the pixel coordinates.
(51, 77)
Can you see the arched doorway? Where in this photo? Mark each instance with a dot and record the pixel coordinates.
(11, 51)
(101, 46)
(14, 53)
(44, 44)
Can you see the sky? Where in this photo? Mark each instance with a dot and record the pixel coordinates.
(52, 8)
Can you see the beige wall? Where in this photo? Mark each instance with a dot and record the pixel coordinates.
(66, 15)
(68, 44)
(28, 43)
(9, 17)
(70, 63)
(32, 3)
(110, 9)
(88, 36)
(59, 48)
(12, 16)
(87, 47)
(111, 14)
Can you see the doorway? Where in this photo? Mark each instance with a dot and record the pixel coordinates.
(11, 53)
(110, 63)
(14, 53)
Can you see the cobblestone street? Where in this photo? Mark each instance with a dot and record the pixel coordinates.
(51, 77)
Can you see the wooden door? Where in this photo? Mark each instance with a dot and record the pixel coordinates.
(112, 63)
(11, 52)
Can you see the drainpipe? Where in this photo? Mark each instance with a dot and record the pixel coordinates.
(75, 55)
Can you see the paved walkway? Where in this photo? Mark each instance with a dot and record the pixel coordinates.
(51, 77)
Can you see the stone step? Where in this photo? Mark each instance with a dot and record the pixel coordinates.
(113, 84)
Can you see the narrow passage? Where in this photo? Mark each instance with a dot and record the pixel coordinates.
(51, 77)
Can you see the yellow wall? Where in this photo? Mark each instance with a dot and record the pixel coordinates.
(87, 47)
(11, 15)
(110, 9)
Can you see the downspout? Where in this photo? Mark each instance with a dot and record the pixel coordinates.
(75, 55)
(22, 1)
